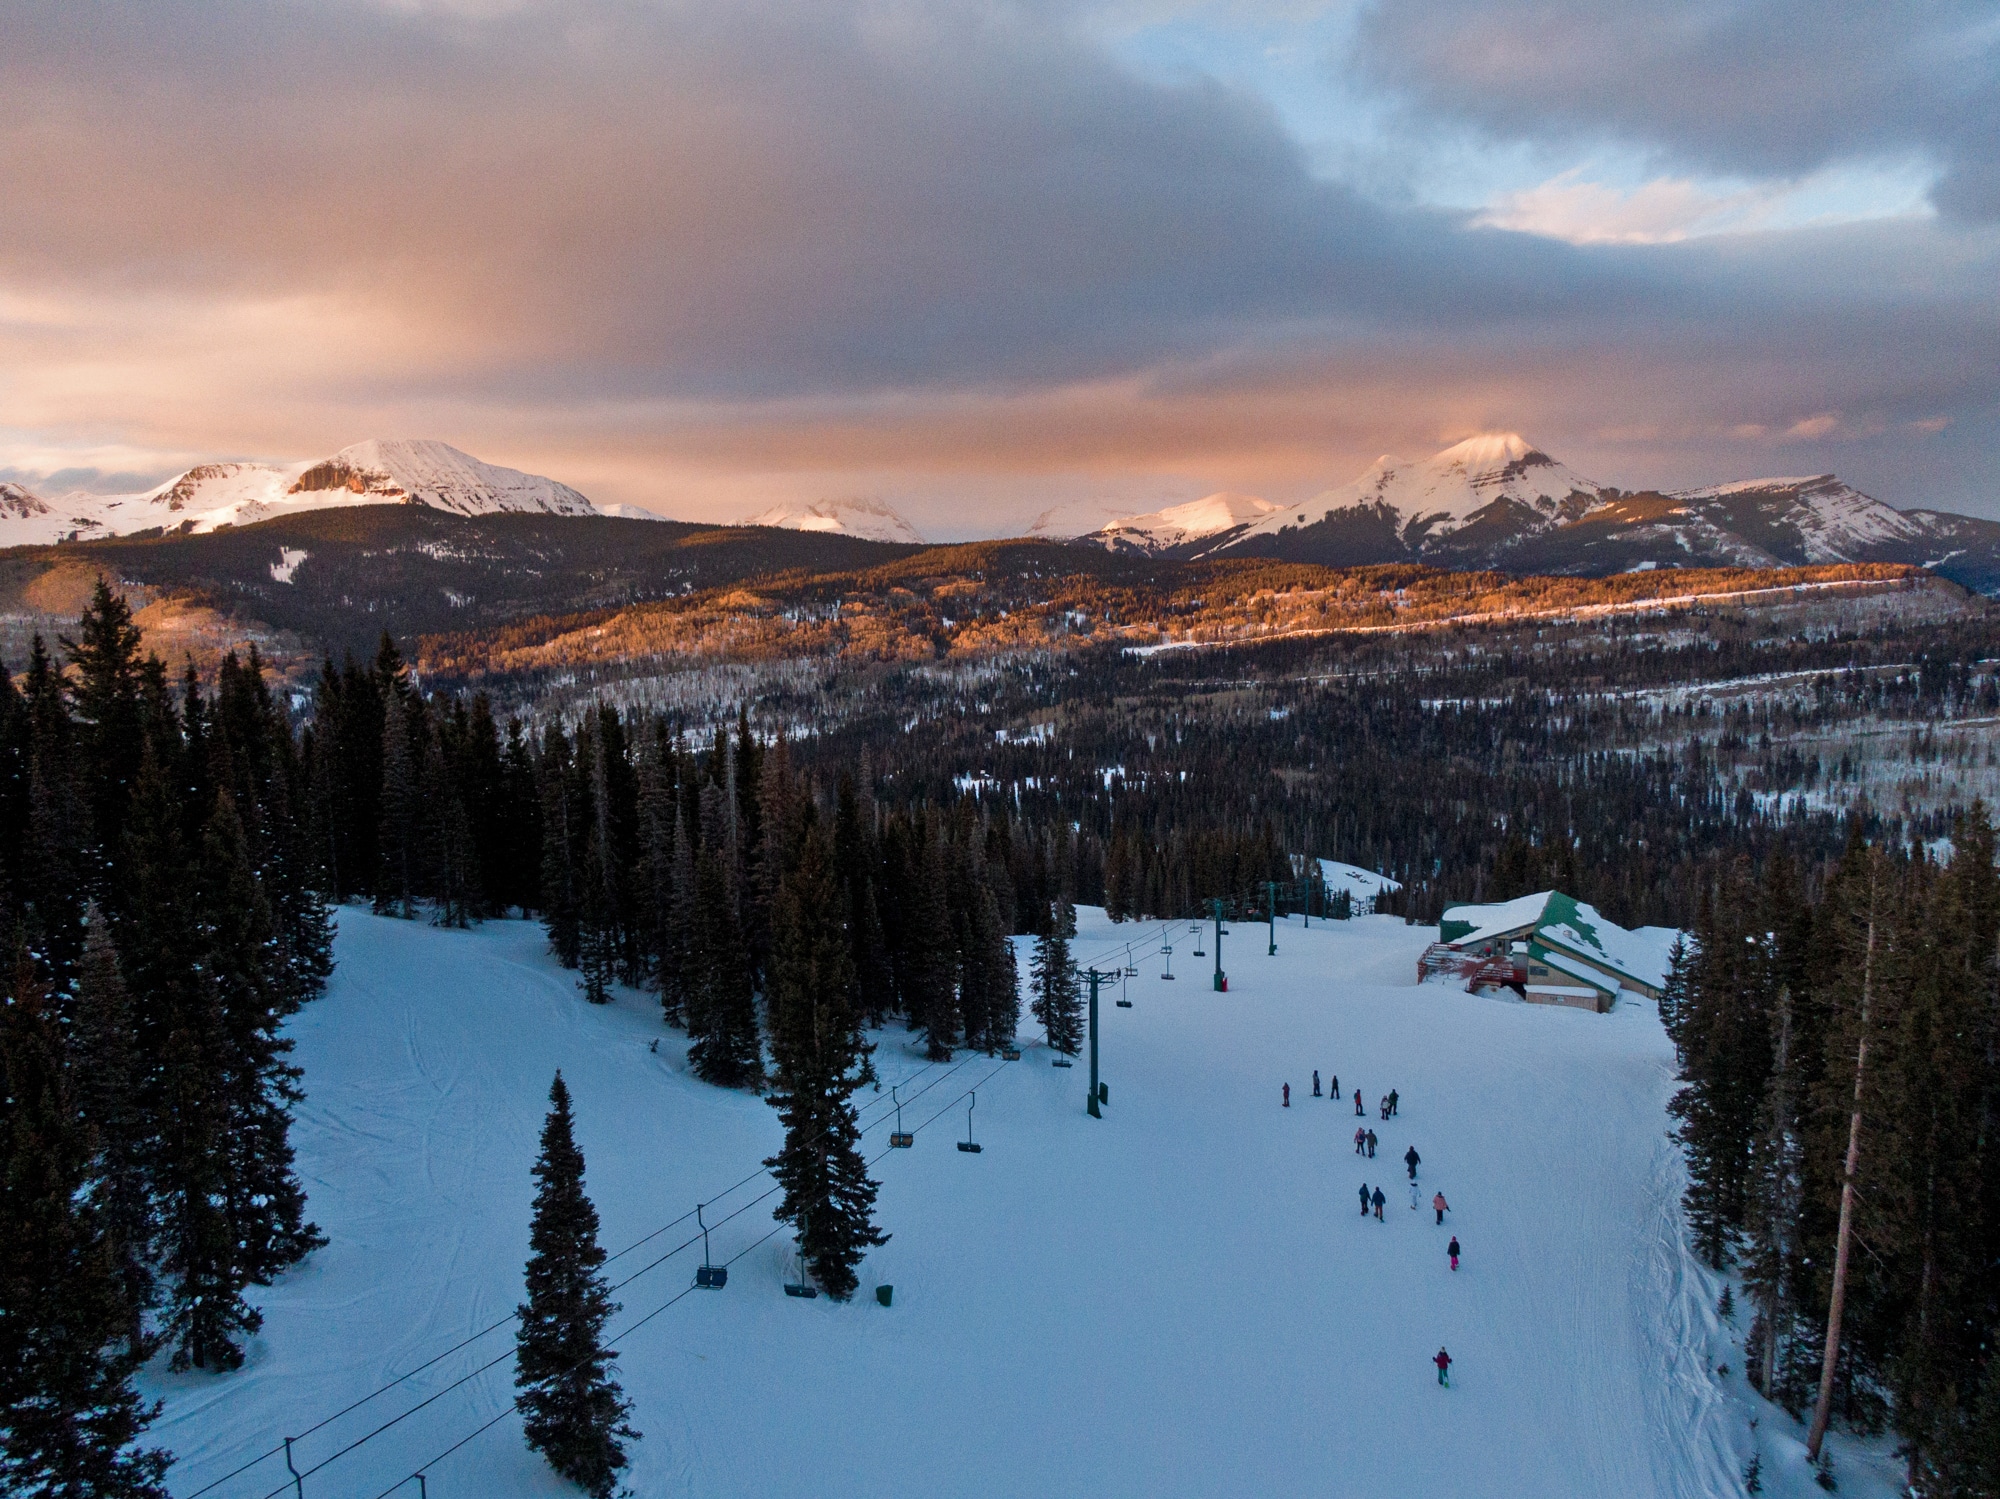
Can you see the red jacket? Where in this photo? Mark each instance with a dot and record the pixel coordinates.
(1442, 1359)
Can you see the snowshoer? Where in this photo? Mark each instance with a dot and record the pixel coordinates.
(1358, 1110)
(1443, 1361)
(1288, 1095)
(1361, 1142)
(1410, 1159)
(1378, 1199)
(1364, 1199)
(1452, 1250)
(1392, 1103)
(1315, 1082)
(1440, 1204)
(1371, 1145)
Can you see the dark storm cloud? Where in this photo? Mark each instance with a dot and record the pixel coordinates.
(1758, 87)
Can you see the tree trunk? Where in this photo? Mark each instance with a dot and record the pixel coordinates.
(1823, 1408)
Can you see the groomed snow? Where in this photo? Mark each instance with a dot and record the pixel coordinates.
(1178, 1299)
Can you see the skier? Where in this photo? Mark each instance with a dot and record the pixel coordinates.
(1378, 1199)
(1392, 1103)
(1364, 1199)
(1452, 1250)
(1410, 1159)
(1361, 1142)
(1358, 1110)
(1443, 1361)
(1288, 1095)
(1315, 1082)
(1371, 1145)
(1441, 1205)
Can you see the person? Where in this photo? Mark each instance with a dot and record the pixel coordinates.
(1378, 1200)
(1371, 1145)
(1358, 1111)
(1452, 1250)
(1364, 1199)
(1443, 1361)
(1360, 1141)
(1441, 1205)
(1392, 1103)
(1288, 1095)
(1410, 1159)
(1333, 1087)
(1382, 1106)
(1315, 1082)
(1413, 1195)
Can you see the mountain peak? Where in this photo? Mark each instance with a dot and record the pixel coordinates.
(1490, 450)
(872, 520)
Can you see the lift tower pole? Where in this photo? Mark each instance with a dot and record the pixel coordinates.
(1094, 978)
(1221, 978)
(1271, 893)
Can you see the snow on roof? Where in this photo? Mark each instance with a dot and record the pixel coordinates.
(1496, 920)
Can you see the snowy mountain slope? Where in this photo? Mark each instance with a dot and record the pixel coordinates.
(1208, 521)
(871, 520)
(17, 502)
(1178, 1299)
(376, 472)
(1076, 518)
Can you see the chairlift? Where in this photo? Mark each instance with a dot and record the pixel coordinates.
(1059, 1060)
(1167, 950)
(1131, 972)
(967, 1145)
(802, 1286)
(1010, 1053)
(898, 1139)
(708, 1277)
(1196, 929)
(1123, 1002)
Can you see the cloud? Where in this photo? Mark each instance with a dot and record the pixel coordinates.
(1758, 88)
(951, 253)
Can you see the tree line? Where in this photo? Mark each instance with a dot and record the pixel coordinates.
(1839, 1049)
(163, 919)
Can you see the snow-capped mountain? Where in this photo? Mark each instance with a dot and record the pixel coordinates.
(872, 520)
(1076, 518)
(210, 495)
(1209, 521)
(1497, 501)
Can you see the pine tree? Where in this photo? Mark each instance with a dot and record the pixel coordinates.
(931, 955)
(1052, 976)
(722, 1019)
(819, 1057)
(563, 829)
(572, 1409)
(106, 1068)
(69, 1419)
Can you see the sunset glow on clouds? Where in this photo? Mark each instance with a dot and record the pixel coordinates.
(981, 259)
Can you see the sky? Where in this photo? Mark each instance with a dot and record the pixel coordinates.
(979, 260)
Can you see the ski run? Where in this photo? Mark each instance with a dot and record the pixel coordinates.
(1180, 1298)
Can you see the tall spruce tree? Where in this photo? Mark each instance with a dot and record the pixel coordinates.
(572, 1409)
(69, 1419)
(722, 1017)
(819, 1057)
(1058, 1002)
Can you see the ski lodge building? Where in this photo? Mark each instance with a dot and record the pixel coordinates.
(1551, 949)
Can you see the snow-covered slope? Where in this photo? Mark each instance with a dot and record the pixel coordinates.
(377, 472)
(1076, 518)
(1833, 521)
(1178, 1299)
(1211, 519)
(872, 520)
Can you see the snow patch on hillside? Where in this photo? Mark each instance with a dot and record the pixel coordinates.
(1177, 525)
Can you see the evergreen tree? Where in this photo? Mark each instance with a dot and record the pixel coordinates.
(819, 1058)
(69, 1420)
(105, 658)
(109, 1100)
(1052, 976)
(564, 827)
(572, 1409)
(722, 1017)
(931, 955)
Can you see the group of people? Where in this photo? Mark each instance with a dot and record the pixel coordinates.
(1373, 1200)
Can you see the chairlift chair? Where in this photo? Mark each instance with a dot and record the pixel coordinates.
(708, 1277)
(1131, 972)
(1059, 1060)
(1010, 1053)
(1196, 929)
(1167, 951)
(1123, 1002)
(967, 1145)
(898, 1138)
(802, 1286)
